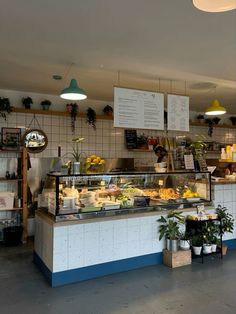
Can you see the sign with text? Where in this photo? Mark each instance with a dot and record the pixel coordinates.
(178, 113)
(138, 109)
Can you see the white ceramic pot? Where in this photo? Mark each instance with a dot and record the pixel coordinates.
(213, 247)
(206, 248)
(184, 244)
(197, 250)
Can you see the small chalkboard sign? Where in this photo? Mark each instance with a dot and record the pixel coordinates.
(131, 139)
(200, 157)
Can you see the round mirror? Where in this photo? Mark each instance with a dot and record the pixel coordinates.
(35, 140)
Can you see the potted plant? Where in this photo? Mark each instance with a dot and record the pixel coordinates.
(27, 102)
(108, 110)
(142, 141)
(233, 120)
(184, 241)
(5, 107)
(216, 120)
(197, 242)
(76, 154)
(227, 223)
(200, 118)
(170, 229)
(91, 117)
(45, 104)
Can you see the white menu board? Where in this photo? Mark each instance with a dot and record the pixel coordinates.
(178, 113)
(138, 109)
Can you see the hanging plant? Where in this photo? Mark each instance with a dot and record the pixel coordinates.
(5, 107)
(91, 117)
(210, 125)
(73, 110)
(108, 110)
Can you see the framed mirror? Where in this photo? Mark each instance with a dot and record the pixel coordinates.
(35, 140)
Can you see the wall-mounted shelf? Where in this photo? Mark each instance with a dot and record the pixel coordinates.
(57, 113)
(141, 150)
(223, 126)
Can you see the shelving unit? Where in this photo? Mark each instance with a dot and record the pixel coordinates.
(195, 227)
(57, 113)
(222, 126)
(21, 189)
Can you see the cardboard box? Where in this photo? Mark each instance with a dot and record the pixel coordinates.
(6, 200)
(177, 259)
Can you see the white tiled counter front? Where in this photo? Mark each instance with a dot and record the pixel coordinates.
(225, 195)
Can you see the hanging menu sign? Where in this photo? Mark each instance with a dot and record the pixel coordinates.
(138, 109)
(178, 113)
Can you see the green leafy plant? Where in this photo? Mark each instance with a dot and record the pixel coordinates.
(108, 110)
(197, 240)
(170, 226)
(73, 110)
(91, 117)
(227, 220)
(27, 102)
(5, 107)
(46, 104)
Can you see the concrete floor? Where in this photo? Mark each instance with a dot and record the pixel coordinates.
(205, 289)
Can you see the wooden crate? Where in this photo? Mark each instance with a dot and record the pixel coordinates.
(176, 259)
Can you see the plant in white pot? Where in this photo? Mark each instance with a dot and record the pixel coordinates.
(197, 242)
(184, 240)
(170, 229)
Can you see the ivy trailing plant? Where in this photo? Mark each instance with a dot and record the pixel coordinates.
(73, 110)
(91, 117)
(5, 108)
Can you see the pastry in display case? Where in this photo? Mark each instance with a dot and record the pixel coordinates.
(104, 192)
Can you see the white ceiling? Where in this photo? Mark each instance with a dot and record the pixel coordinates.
(150, 42)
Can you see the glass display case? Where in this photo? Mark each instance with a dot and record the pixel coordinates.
(127, 191)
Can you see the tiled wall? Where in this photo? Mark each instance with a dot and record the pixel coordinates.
(107, 141)
(225, 195)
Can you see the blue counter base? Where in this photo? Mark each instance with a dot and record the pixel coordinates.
(89, 272)
(85, 273)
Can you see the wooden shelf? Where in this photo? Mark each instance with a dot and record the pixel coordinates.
(141, 150)
(223, 126)
(58, 113)
(9, 180)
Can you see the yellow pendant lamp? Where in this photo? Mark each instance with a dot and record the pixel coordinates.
(215, 109)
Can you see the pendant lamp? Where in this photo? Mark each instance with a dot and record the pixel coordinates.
(73, 92)
(215, 5)
(215, 109)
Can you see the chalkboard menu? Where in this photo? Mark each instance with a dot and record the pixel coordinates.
(131, 138)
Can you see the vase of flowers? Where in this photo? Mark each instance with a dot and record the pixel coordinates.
(76, 164)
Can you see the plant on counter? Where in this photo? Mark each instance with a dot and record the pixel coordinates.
(91, 117)
(46, 104)
(75, 147)
(170, 229)
(27, 102)
(73, 110)
(108, 110)
(5, 107)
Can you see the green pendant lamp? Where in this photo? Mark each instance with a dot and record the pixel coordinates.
(73, 92)
(215, 109)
